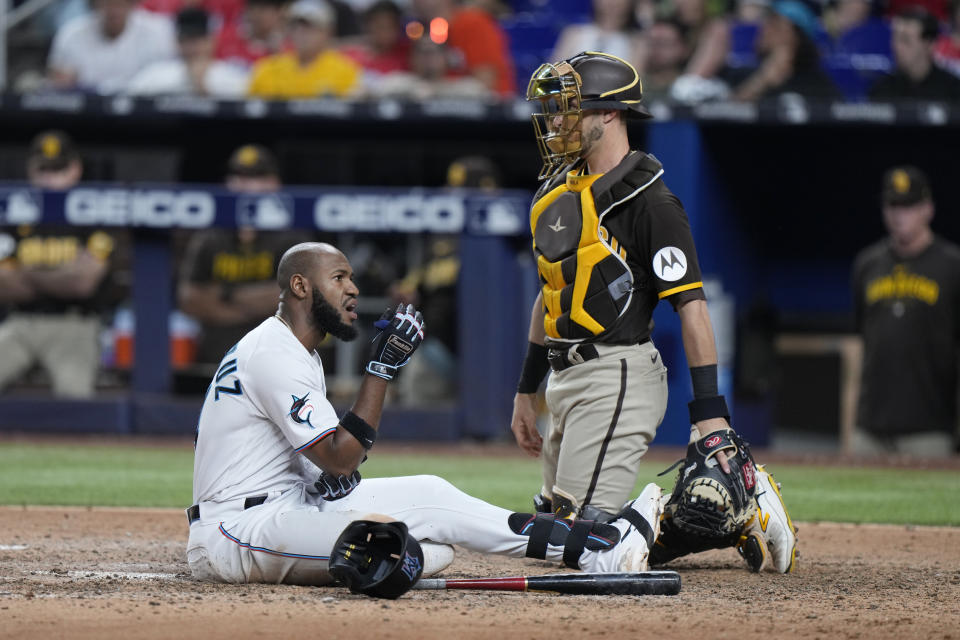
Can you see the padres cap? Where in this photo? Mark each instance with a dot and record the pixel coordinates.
(253, 160)
(905, 185)
(52, 151)
(477, 172)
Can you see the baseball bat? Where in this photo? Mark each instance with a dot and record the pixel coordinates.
(645, 583)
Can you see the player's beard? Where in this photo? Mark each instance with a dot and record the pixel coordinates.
(327, 318)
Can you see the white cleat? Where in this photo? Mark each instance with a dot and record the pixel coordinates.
(639, 527)
(436, 557)
(772, 523)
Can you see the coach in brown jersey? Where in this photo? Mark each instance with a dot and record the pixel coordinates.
(907, 301)
(611, 241)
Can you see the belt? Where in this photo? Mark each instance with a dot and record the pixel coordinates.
(561, 359)
(193, 513)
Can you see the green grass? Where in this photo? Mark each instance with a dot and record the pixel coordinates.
(161, 477)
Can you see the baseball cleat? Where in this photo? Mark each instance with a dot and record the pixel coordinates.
(436, 557)
(639, 525)
(752, 550)
(772, 523)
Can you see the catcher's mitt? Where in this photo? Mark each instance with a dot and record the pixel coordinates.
(708, 508)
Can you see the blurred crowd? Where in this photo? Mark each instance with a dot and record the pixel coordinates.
(686, 50)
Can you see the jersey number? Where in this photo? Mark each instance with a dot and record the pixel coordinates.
(235, 390)
(226, 369)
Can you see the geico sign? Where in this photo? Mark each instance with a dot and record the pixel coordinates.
(411, 213)
(141, 208)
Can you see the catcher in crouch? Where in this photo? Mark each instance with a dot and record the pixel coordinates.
(610, 241)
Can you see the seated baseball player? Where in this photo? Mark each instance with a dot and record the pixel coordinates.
(277, 495)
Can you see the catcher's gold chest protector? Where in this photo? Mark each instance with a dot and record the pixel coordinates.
(587, 284)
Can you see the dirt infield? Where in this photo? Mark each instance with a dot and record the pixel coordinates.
(120, 573)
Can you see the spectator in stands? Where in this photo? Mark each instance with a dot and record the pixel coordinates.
(313, 68)
(906, 291)
(668, 53)
(471, 32)
(259, 32)
(916, 76)
(384, 47)
(946, 51)
(103, 50)
(613, 30)
(858, 48)
(56, 282)
(855, 29)
(346, 21)
(429, 77)
(790, 61)
(195, 71)
(708, 36)
(227, 279)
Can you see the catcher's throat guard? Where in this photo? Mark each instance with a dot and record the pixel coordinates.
(378, 559)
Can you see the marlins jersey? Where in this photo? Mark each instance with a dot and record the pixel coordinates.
(608, 248)
(266, 402)
(908, 310)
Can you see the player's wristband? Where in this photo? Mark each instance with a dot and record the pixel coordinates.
(704, 381)
(707, 408)
(359, 429)
(535, 368)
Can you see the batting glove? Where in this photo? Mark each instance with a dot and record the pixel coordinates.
(332, 487)
(401, 332)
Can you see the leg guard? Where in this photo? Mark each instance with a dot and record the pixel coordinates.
(542, 504)
(546, 529)
(567, 508)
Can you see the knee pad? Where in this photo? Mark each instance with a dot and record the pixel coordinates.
(379, 559)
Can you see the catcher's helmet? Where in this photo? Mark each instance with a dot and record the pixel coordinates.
(588, 80)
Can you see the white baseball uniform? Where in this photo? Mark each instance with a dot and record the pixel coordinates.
(266, 403)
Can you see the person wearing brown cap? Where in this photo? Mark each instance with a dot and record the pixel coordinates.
(53, 161)
(227, 279)
(56, 281)
(906, 291)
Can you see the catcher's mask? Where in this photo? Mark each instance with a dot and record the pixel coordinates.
(379, 559)
(565, 89)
